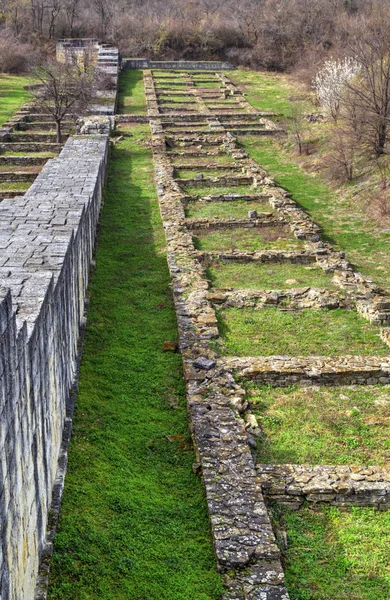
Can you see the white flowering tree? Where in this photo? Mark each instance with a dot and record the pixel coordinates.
(330, 81)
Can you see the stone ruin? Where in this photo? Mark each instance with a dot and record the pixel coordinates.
(47, 236)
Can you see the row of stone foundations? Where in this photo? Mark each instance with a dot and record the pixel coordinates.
(236, 488)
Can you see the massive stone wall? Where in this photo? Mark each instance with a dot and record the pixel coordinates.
(46, 241)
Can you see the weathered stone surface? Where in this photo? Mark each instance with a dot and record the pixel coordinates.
(244, 542)
(338, 485)
(46, 238)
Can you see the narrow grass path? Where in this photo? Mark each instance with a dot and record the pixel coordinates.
(131, 97)
(133, 521)
(12, 95)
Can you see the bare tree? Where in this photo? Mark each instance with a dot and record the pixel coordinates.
(54, 10)
(71, 8)
(298, 123)
(103, 10)
(65, 89)
(370, 90)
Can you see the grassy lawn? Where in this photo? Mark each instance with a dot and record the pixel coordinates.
(14, 185)
(268, 91)
(236, 208)
(242, 238)
(343, 220)
(343, 225)
(322, 425)
(12, 95)
(192, 172)
(133, 522)
(336, 555)
(192, 161)
(250, 332)
(205, 190)
(267, 276)
(131, 97)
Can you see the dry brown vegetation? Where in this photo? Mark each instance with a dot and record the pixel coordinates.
(271, 34)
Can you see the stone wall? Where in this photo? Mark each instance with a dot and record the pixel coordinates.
(47, 239)
(181, 65)
(338, 485)
(107, 62)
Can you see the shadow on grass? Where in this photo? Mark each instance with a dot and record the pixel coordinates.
(133, 522)
(334, 554)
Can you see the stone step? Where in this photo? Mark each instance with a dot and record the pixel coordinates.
(45, 126)
(41, 117)
(36, 137)
(23, 161)
(16, 176)
(297, 298)
(262, 220)
(337, 485)
(230, 198)
(251, 131)
(304, 257)
(4, 194)
(216, 181)
(284, 371)
(31, 147)
(204, 166)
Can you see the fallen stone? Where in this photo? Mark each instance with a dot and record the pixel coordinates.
(204, 363)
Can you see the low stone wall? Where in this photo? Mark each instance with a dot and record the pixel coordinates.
(177, 65)
(338, 485)
(310, 370)
(46, 238)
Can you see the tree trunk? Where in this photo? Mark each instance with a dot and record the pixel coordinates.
(381, 139)
(58, 132)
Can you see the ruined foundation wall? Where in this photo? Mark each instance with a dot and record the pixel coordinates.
(46, 241)
(182, 65)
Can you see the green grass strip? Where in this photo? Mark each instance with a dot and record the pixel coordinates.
(12, 95)
(269, 331)
(249, 239)
(337, 555)
(235, 208)
(322, 425)
(131, 97)
(133, 523)
(267, 276)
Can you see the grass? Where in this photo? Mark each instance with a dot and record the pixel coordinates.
(343, 225)
(268, 276)
(131, 97)
(206, 190)
(12, 95)
(235, 208)
(322, 425)
(334, 554)
(192, 161)
(269, 92)
(269, 331)
(192, 172)
(242, 238)
(15, 185)
(344, 221)
(133, 521)
(34, 154)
